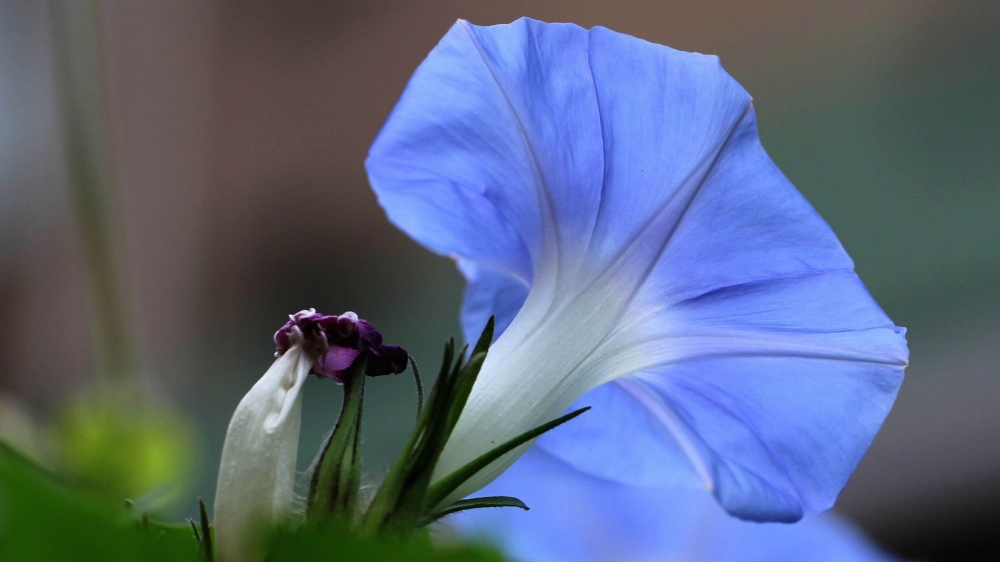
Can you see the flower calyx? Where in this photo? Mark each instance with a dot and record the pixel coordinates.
(409, 498)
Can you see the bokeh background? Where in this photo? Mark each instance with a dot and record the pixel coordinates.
(237, 130)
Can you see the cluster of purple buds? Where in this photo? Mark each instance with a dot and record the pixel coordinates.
(338, 342)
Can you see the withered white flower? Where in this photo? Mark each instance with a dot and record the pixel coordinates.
(257, 472)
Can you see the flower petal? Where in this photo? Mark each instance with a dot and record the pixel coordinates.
(773, 390)
(666, 118)
(578, 517)
(624, 183)
(335, 361)
(494, 151)
(629, 440)
(780, 442)
(489, 293)
(257, 471)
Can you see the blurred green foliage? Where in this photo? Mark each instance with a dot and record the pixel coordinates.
(313, 544)
(126, 450)
(43, 518)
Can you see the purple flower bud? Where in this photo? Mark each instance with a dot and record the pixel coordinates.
(339, 341)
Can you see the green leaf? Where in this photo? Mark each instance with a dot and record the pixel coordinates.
(439, 491)
(476, 503)
(44, 518)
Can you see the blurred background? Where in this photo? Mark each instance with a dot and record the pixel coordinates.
(235, 134)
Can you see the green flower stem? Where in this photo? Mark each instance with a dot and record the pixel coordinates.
(336, 479)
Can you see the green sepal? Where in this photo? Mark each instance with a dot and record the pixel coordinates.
(420, 387)
(439, 491)
(464, 379)
(407, 500)
(486, 337)
(475, 503)
(202, 532)
(400, 500)
(206, 552)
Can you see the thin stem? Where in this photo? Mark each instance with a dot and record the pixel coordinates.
(335, 482)
(77, 54)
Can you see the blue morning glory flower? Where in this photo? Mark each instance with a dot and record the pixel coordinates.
(585, 519)
(609, 201)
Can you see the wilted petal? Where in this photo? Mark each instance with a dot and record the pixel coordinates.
(257, 471)
(580, 518)
(615, 194)
(335, 361)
